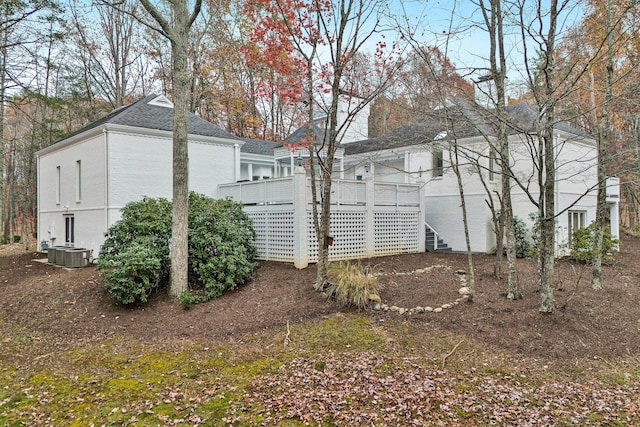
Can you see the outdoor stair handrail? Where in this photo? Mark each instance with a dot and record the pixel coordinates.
(435, 236)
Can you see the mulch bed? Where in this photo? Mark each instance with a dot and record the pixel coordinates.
(72, 305)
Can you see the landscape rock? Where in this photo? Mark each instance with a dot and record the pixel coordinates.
(437, 309)
(464, 291)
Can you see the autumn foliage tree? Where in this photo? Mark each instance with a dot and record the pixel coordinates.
(323, 42)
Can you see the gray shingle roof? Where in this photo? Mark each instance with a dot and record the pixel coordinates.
(258, 146)
(301, 135)
(461, 119)
(141, 114)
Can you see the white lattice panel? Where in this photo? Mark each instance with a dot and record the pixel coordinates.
(348, 229)
(396, 232)
(260, 227)
(274, 234)
(280, 225)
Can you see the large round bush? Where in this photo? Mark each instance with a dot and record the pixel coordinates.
(135, 261)
(221, 249)
(134, 257)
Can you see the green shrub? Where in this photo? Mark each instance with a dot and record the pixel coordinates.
(133, 273)
(582, 246)
(351, 284)
(523, 244)
(135, 255)
(221, 249)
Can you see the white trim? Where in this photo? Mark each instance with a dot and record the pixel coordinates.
(161, 101)
(134, 130)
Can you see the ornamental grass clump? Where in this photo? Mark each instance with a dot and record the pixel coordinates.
(351, 284)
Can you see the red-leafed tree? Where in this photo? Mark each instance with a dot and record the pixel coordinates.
(317, 47)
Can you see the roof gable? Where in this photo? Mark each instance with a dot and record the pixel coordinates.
(154, 112)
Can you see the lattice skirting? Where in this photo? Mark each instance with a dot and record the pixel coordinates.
(349, 232)
(396, 232)
(274, 235)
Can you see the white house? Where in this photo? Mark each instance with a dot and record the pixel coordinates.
(393, 187)
(86, 178)
(422, 151)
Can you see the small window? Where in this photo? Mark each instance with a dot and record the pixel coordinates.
(437, 162)
(78, 181)
(577, 220)
(57, 185)
(358, 177)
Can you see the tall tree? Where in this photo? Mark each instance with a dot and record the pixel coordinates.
(108, 50)
(176, 30)
(603, 141)
(325, 39)
(493, 18)
(20, 24)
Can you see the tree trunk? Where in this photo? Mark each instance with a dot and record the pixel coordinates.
(3, 76)
(603, 143)
(494, 23)
(180, 210)
(471, 284)
(178, 33)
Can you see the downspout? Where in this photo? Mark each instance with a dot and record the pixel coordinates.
(407, 170)
(106, 179)
(236, 153)
(39, 219)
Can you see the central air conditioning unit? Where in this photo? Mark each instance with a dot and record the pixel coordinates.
(77, 257)
(60, 250)
(52, 253)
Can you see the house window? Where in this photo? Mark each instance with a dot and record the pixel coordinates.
(492, 164)
(78, 181)
(437, 162)
(57, 185)
(577, 220)
(69, 230)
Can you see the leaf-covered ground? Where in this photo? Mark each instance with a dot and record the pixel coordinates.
(276, 353)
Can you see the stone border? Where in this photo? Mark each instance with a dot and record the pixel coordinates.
(463, 292)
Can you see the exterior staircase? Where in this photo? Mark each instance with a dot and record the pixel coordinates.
(433, 241)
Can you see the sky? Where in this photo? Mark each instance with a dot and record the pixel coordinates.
(452, 26)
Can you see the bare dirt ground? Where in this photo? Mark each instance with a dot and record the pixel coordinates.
(72, 306)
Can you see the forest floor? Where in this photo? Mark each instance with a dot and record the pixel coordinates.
(276, 352)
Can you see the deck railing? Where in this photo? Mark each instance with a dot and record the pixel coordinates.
(367, 218)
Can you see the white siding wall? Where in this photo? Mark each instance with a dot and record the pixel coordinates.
(444, 214)
(138, 166)
(575, 184)
(89, 211)
(358, 129)
(142, 166)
